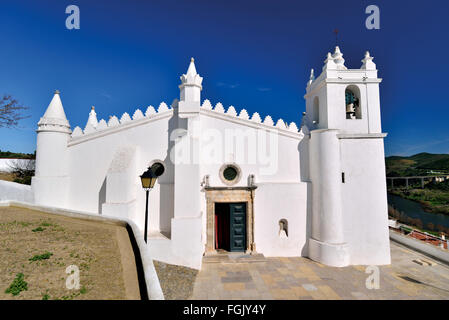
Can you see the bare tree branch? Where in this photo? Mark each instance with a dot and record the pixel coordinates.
(10, 112)
(22, 167)
(23, 170)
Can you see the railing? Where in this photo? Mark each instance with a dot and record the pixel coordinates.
(423, 236)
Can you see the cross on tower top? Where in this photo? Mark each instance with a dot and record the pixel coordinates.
(336, 37)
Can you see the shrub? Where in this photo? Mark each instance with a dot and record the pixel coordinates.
(18, 285)
(43, 256)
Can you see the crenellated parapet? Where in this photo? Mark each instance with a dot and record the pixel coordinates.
(232, 114)
(125, 120)
(93, 126)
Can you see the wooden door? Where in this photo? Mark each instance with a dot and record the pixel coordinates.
(237, 226)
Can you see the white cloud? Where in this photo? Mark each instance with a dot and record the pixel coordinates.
(227, 85)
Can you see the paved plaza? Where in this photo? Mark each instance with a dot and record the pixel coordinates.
(410, 276)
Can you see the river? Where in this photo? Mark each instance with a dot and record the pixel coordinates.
(414, 210)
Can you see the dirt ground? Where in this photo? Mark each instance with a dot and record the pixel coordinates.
(7, 176)
(102, 252)
(176, 281)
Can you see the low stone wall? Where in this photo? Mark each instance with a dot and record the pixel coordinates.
(422, 247)
(16, 192)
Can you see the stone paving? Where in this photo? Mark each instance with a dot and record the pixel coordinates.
(301, 278)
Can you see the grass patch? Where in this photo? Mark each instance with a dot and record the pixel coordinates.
(75, 294)
(43, 256)
(16, 223)
(47, 224)
(12, 224)
(18, 285)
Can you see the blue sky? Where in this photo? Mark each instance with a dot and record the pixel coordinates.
(252, 54)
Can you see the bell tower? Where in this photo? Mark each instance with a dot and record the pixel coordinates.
(347, 166)
(344, 99)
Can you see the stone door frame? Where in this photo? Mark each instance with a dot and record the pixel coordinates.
(229, 195)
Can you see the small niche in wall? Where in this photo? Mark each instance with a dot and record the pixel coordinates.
(283, 228)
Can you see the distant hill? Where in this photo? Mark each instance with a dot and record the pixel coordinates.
(416, 165)
(16, 155)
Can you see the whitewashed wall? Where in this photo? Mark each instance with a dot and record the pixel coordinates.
(284, 158)
(280, 193)
(91, 159)
(364, 201)
(276, 201)
(5, 164)
(15, 191)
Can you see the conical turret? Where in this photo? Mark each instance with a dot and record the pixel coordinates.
(54, 118)
(191, 84)
(50, 183)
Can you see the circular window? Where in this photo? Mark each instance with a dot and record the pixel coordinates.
(230, 174)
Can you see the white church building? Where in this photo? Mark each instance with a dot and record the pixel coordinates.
(231, 182)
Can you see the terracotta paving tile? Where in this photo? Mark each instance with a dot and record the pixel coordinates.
(282, 294)
(289, 278)
(329, 293)
(318, 295)
(299, 274)
(283, 271)
(233, 286)
(300, 292)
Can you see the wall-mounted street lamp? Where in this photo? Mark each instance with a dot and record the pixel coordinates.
(148, 179)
